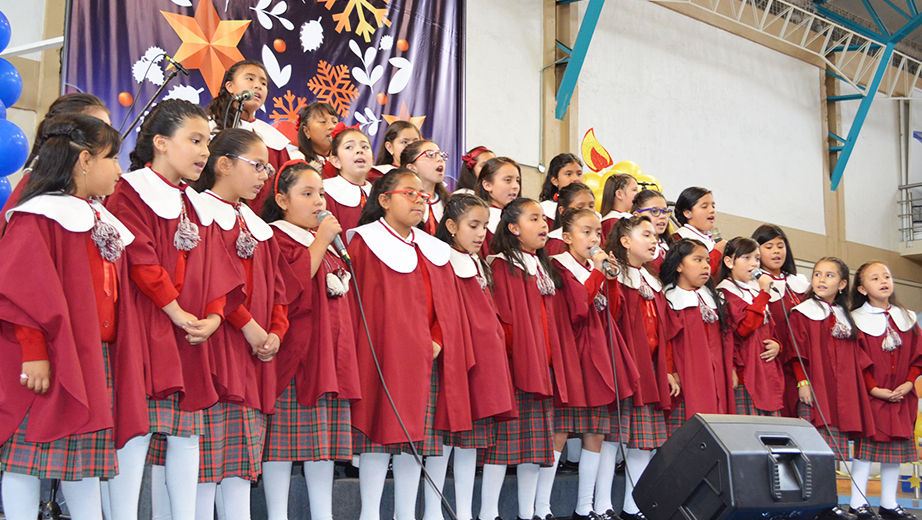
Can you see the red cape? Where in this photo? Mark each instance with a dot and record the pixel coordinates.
(836, 370)
(348, 216)
(783, 335)
(210, 274)
(556, 246)
(319, 349)
(14, 197)
(764, 381)
(893, 421)
(395, 306)
(57, 297)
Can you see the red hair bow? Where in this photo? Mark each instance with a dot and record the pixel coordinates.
(470, 159)
(340, 128)
(290, 162)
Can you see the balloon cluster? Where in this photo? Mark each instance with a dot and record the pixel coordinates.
(14, 146)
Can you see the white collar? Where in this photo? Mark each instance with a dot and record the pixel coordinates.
(299, 234)
(72, 213)
(617, 214)
(745, 291)
(819, 311)
(495, 215)
(384, 168)
(226, 216)
(872, 321)
(465, 265)
(581, 272)
(550, 208)
(438, 208)
(344, 192)
(557, 233)
(630, 277)
(164, 199)
(397, 253)
(798, 284)
(683, 299)
(688, 231)
(532, 265)
(270, 135)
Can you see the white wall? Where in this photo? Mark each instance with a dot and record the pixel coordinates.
(695, 105)
(27, 22)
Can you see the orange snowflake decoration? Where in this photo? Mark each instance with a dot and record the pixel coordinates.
(364, 28)
(290, 106)
(332, 85)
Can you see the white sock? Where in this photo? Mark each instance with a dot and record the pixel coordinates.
(490, 487)
(889, 478)
(83, 500)
(125, 488)
(436, 466)
(318, 474)
(236, 493)
(372, 472)
(219, 502)
(21, 495)
(104, 495)
(588, 472)
(181, 465)
(465, 467)
(276, 484)
(574, 449)
(526, 476)
(205, 500)
(606, 477)
(159, 496)
(861, 470)
(406, 486)
(545, 487)
(637, 461)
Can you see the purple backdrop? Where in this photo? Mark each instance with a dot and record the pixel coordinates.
(375, 60)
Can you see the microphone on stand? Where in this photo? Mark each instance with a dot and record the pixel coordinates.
(245, 95)
(177, 65)
(337, 242)
(608, 269)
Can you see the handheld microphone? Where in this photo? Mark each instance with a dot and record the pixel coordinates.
(246, 95)
(608, 269)
(337, 242)
(177, 65)
(756, 273)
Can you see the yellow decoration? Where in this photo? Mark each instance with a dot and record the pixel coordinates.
(594, 181)
(629, 167)
(595, 155)
(915, 481)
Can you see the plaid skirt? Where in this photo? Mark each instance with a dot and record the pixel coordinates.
(526, 440)
(73, 457)
(481, 436)
(156, 450)
(893, 452)
(232, 443)
(620, 432)
(648, 428)
(166, 418)
(745, 406)
(676, 419)
(319, 432)
(581, 420)
(432, 439)
(836, 440)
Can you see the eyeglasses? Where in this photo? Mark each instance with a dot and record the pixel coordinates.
(413, 195)
(432, 154)
(258, 165)
(655, 212)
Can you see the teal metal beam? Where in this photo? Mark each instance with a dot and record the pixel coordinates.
(876, 17)
(850, 25)
(836, 137)
(897, 9)
(913, 10)
(578, 56)
(906, 29)
(862, 114)
(846, 97)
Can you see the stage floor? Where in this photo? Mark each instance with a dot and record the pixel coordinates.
(906, 499)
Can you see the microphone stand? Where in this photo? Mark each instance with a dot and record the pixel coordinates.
(173, 73)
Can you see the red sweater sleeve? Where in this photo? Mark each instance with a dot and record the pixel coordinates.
(507, 329)
(239, 317)
(33, 343)
(714, 260)
(869, 382)
(216, 307)
(755, 315)
(279, 324)
(670, 364)
(914, 372)
(594, 285)
(799, 374)
(155, 283)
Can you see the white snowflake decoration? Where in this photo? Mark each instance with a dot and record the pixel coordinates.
(263, 16)
(311, 35)
(186, 92)
(387, 43)
(368, 122)
(149, 65)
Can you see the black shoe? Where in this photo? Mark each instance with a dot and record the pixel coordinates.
(609, 515)
(836, 513)
(863, 513)
(619, 468)
(591, 516)
(568, 468)
(636, 516)
(897, 513)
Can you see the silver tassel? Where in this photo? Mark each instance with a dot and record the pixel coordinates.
(482, 280)
(891, 340)
(708, 314)
(107, 239)
(545, 284)
(768, 316)
(646, 292)
(337, 283)
(600, 302)
(186, 237)
(246, 244)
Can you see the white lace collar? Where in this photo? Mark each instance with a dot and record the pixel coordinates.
(630, 277)
(397, 253)
(873, 321)
(745, 291)
(550, 208)
(270, 135)
(495, 215)
(569, 262)
(72, 213)
(617, 215)
(532, 265)
(226, 217)
(683, 299)
(344, 192)
(299, 234)
(164, 199)
(819, 311)
(465, 265)
(798, 284)
(689, 231)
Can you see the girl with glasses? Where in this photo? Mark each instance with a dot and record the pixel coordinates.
(427, 161)
(652, 204)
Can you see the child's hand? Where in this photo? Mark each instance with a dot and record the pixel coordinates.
(736, 379)
(179, 317)
(436, 350)
(884, 395)
(200, 330)
(904, 389)
(805, 394)
(720, 245)
(37, 376)
(598, 258)
(255, 335)
(270, 348)
(765, 283)
(329, 228)
(674, 387)
(772, 348)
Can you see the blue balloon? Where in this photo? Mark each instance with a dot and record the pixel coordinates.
(5, 31)
(14, 148)
(2, 110)
(10, 83)
(5, 190)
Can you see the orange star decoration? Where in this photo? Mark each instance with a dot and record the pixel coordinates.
(208, 43)
(405, 116)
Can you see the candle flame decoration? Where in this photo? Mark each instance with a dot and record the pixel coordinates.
(595, 155)
(597, 159)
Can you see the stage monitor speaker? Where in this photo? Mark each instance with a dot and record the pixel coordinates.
(740, 467)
